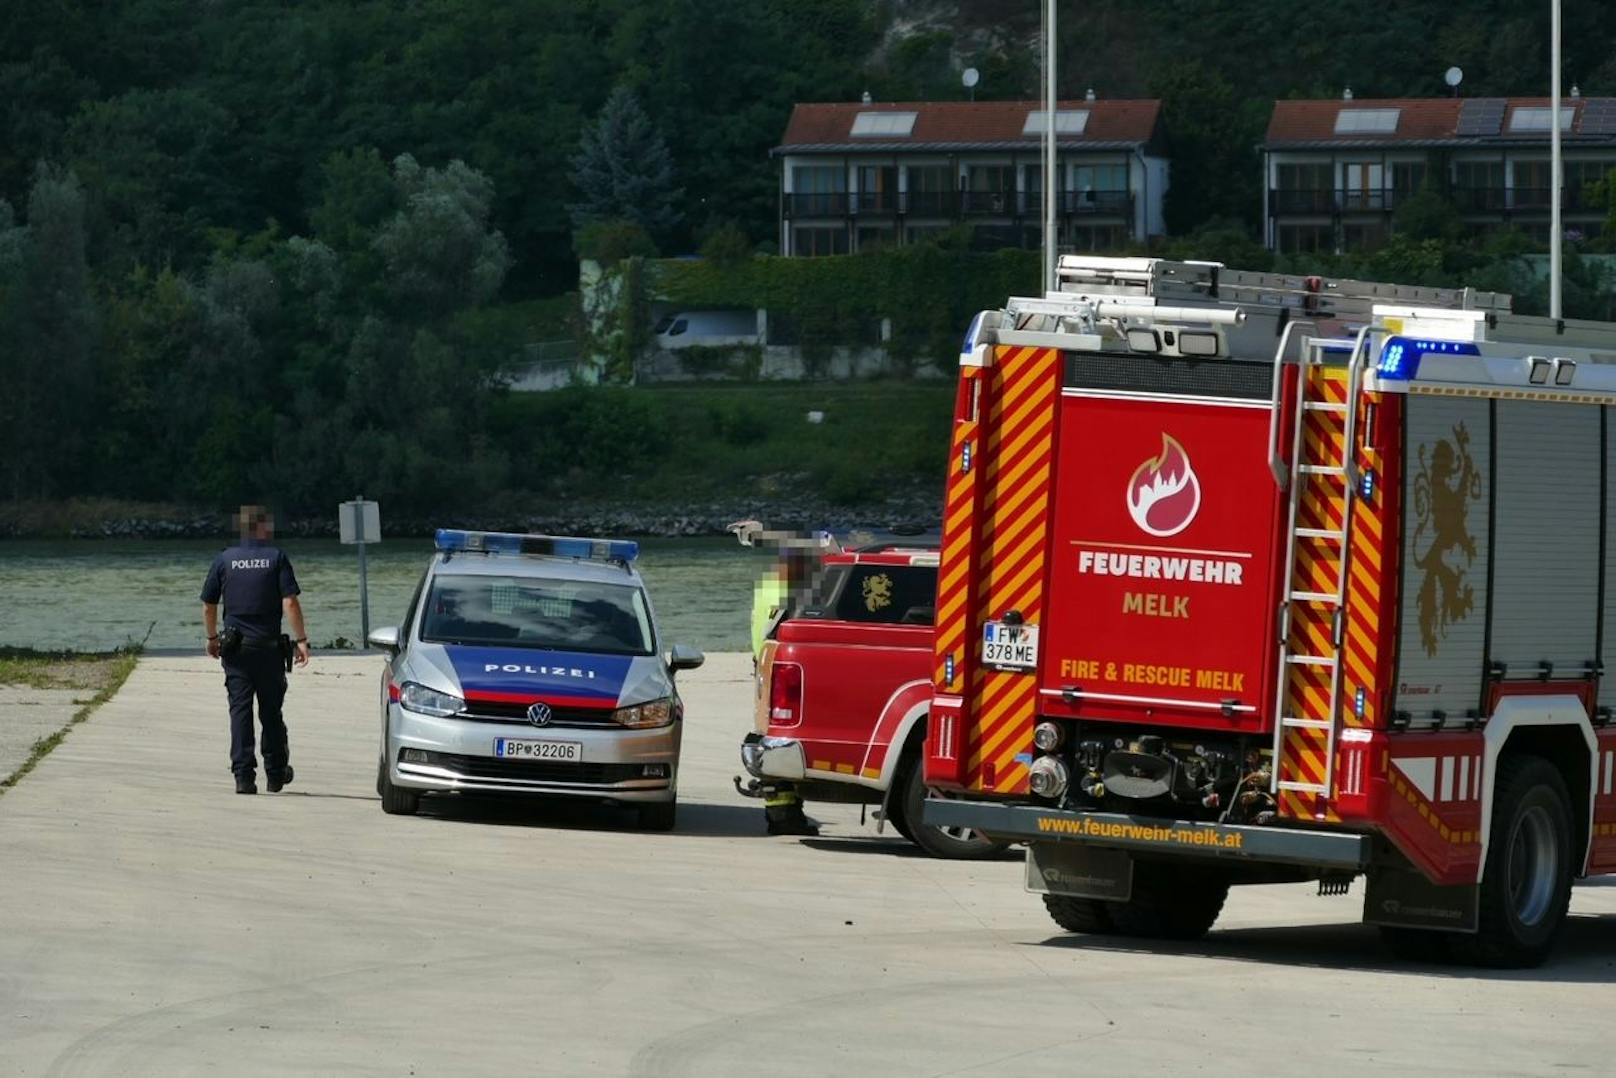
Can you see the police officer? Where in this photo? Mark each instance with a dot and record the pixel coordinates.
(256, 583)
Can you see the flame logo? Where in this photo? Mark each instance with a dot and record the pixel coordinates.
(1164, 494)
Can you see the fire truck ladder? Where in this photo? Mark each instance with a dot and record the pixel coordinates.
(1336, 473)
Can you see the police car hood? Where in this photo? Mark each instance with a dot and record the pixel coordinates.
(522, 675)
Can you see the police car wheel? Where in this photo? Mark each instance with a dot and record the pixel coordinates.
(659, 816)
(396, 800)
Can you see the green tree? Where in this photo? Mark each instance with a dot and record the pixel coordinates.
(623, 170)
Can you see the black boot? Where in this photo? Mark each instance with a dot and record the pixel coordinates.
(284, 778)
(246, 783)
(789, 819)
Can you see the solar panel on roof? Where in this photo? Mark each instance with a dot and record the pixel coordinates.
(1529, 118)
(1599, 116)
(883, 123)
(1366, 121)
(1481, 116)
(1067, 122)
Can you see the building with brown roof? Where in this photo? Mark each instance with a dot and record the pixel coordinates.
(1336, 171)
(855, 175)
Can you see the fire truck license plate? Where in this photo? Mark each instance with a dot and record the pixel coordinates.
(1010, 647)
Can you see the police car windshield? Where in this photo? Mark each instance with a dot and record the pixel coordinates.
(524, 612)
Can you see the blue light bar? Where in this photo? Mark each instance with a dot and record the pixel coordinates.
(1400, 356)
(456, 541)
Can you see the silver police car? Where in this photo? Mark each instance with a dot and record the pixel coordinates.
(529, 664)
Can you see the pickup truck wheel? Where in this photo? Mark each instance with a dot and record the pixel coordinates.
(1170, 902)
(895, 816)
(1526, 883)
(954, 843)
(1080, 914)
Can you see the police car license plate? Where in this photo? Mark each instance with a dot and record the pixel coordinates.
(509, 748)
(1009, 647)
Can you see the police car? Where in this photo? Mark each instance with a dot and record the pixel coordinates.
(529, 664)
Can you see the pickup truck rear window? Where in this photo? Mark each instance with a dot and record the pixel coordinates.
(887, 594)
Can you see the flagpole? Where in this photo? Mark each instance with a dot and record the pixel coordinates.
(1049, 147)
(1556, 230)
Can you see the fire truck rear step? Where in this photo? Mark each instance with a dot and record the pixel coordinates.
(1314, 597)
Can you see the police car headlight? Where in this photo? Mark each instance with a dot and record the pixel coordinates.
(416, 697)
(655, 713)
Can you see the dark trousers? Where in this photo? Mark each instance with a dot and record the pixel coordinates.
(248, 673)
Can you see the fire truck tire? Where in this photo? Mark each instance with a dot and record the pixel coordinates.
(1170, 901)
(938, 841)
(1080, 914)
(1526, 883)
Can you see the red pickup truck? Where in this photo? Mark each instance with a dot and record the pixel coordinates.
(843, 688)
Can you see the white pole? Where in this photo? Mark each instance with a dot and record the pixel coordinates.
(1049, 147)
(1556, 231)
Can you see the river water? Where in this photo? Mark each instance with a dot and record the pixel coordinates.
(94, 595)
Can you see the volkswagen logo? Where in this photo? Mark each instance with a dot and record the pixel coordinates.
(540, 714)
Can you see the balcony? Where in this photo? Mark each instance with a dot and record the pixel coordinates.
(1096, 203)
(876, 203)
(988, 203)
(930, 203)
(1301, 200)
(825, 204)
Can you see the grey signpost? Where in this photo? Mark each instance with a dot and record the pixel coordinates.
(360, 522)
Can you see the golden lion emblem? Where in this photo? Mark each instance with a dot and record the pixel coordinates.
(877, 592)
(1446, 485)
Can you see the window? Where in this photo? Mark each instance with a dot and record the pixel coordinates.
(522, 612)
(1099, 189)
(819, 190)
(1361, 185)
(1366, 121)
(990, 189)
(1306, 239)
(678, 327)
(1478, 186)
(1362, 235)
(1303, 188)
(870, 238)
(1087, 238)
(1536, 118)
(1067, 122)
(888, 594)
(883, 124)
(1407, 176)
(878, 188)
(1579, 175)
(1532, 184)
(931, 190)
(818, 241)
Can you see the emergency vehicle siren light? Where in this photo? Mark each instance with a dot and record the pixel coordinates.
(456, 540)
(1400, 357)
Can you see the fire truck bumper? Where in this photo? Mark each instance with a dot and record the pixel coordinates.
(772, 757)
(1340, 850)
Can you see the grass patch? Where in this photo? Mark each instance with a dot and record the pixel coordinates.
(673, 444)
(102, 673)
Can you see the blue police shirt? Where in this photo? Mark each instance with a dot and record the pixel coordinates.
(252, 579)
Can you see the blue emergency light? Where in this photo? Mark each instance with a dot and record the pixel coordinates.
(1400, 357)
(458, 541)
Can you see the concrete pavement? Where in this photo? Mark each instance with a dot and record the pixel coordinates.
(152, 922)
(28, 714)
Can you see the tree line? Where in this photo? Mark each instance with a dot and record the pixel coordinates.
(261, 248)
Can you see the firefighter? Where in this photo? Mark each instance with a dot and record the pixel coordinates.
(783, 587)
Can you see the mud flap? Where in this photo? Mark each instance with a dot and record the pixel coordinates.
(1064, 868)
(1403, 898)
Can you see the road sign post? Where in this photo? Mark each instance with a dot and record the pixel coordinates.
(360, 522)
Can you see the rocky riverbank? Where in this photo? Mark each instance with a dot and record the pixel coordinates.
(910, 513)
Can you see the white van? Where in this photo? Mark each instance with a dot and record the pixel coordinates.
(686, 329)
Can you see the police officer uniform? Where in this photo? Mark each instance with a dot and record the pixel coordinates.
(252, 578)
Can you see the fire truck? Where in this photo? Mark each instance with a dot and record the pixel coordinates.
(1254, 578)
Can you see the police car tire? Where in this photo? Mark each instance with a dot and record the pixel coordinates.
(1087, 915)
(397, 801)
(1170, 901)
(1529, 794)
(659, 816)
(934, 840)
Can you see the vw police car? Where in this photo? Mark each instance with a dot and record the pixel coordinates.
(529, 664)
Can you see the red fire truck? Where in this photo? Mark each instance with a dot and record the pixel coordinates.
(1255, 578)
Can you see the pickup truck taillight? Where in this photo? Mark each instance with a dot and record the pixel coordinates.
(785, 694)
